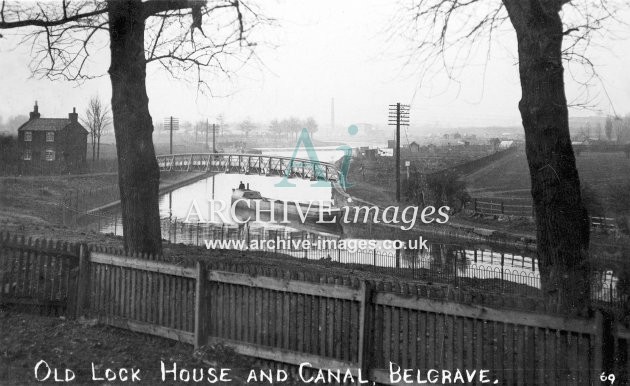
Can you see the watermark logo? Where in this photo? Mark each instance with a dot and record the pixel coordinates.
(319, 170)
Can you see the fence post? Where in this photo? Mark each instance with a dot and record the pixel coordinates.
(200, 306)
(83, 283)
(365, 328)
(598, 349)
(502, 271)
(455, 269)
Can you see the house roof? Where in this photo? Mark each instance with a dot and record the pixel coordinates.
(49, 124)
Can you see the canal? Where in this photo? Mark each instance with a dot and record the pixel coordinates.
(445, 259)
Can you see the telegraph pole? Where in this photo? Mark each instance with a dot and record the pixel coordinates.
(173, 124)
(398, 116)
(214, 142)
(207, 148)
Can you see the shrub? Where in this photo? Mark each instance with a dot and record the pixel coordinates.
(592, 201)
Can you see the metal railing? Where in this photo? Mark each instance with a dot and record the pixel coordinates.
(461, 267)
(249, 164)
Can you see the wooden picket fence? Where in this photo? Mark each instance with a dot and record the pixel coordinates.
(38, 273)
(336, 323)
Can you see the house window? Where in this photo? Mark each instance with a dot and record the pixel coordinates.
(28, 155)
(50, 155)
(50, 136)
(28, 136)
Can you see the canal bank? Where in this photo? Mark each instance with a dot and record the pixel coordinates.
(167, 187)
(450, 230)
(605, 256)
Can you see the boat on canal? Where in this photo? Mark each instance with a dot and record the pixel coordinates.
(248, 199)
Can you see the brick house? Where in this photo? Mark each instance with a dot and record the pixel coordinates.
(52, 145)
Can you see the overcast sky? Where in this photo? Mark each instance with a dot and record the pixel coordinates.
(325, 49)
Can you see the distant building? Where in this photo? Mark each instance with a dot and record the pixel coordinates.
(52, 145)
(391, 143)
(386, 152)
(414, 147)
(506, 144)
(371, 154)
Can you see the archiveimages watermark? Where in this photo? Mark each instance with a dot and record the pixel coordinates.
(350, 245)
(317, 211)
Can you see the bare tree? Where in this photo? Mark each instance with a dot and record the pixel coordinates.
(247, 126)
(182, 36)
(97, 119)
(311, 125)
(619, 126)
(222, 124)
(608, 127)
(495, 142)
(598, 131)
(293, 126)
(447, 32)
(275, 128)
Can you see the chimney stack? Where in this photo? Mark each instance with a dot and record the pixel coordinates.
(35, 113)
(73, 116)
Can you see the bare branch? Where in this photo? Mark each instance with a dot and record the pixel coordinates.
(42, 19)
(63, 35)
(446, 33)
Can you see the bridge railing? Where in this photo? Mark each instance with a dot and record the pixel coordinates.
(250, 164)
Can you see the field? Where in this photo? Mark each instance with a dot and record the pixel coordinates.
(33, 200)
(108, 150)
(508, 178)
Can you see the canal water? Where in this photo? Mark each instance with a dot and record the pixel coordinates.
(453, 257)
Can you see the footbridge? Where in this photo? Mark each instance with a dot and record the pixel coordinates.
(250, 164)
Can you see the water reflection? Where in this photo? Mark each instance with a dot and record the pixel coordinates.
(219, 188)
(193, 199)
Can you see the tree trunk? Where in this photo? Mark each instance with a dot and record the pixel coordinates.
(98, 146)
(562, 223)
(138, 172)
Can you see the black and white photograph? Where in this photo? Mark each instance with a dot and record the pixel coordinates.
(294, 192)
